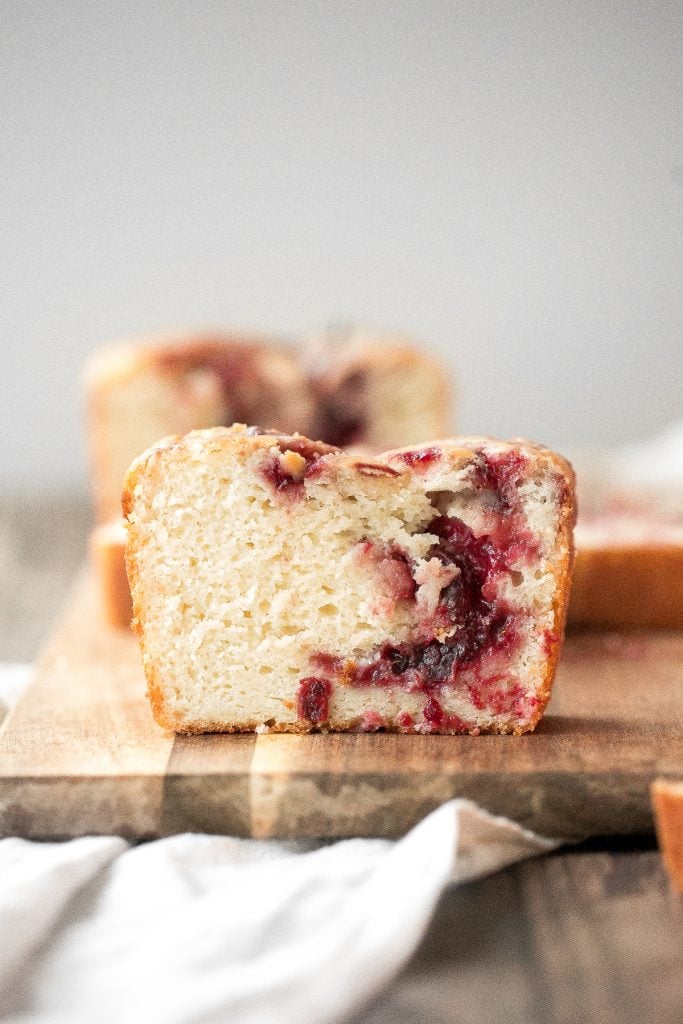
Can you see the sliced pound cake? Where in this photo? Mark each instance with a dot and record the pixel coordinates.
(281, 584)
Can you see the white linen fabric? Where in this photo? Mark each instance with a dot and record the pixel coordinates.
(197, 929)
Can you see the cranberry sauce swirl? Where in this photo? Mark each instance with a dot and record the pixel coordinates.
(472, 621)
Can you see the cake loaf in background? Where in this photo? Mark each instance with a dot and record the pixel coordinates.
(351, 388)
(628, 572)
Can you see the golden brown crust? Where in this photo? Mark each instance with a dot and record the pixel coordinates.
(459, 450)
(237, 439)
(333, 725)
(122, 360)
(241, 441)
(563, 574)
(631, 586)
(107, 553)
(667, 801)
(141, 465)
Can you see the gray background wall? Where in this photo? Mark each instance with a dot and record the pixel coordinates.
(502, 179)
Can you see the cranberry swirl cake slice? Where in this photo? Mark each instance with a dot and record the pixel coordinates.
(281, 584)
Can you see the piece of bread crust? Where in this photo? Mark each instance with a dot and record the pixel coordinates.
(667, 801)
(180, 560)
(108, 558)
(627, 578)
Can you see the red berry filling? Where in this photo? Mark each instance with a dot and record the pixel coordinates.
(476, 620)
(405, 720)
(397, 579)
(233, 365)
(471, 626)
(393, 568)
(371, 721)
(467, 639)
(341, 416)
(436, 719)
(327, 663)
(467, 602)
(288, 479)
(496, 696)
(500, 472)
(420, 458)
(313, 700)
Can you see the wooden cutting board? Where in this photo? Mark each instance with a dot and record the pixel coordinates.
(81, 753)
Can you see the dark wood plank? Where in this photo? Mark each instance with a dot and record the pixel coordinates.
(623, 929)
(574, 938)
(208, 786)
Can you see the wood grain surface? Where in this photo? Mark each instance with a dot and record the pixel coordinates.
(574, 938)
(81, 753)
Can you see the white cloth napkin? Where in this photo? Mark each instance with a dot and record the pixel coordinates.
(647, 473)
(207, 929)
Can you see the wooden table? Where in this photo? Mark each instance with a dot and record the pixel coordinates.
(586, 935)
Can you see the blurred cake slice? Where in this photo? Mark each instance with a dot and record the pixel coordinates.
(374, 391)
(628, 571)
(629, 537)
(143, 389)
(279, 583)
